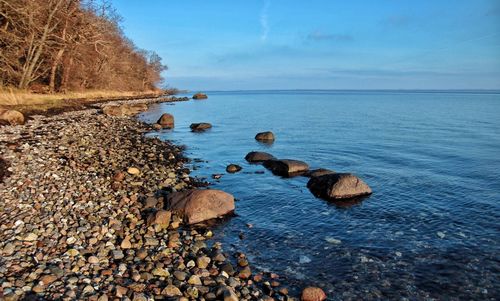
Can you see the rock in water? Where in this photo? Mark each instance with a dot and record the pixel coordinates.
(11, 117)
(318, 172)
(232, 168)
(313, 294)
(338, 186)
(256, 157)
(265, 136)
(286, 167)
(200, 127)
(200, 96)
(166, 121)
(200, 205)
(124, 110)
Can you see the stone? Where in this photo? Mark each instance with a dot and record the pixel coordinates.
(48, 279)
(8, 249)
(160, 272)
(338, 186)
(160, 218)
(313, 294)
(121, 291)
(194, 280)
(286, 167)
(166, 121)
(11, 117)
(318, 172)
(200, 96)
(245, 273)
(171, 291)
(133, 170)
(233, 168)
(229, 294)
(179, 275)
(257, 157)
(30, 237)
(126, 244)
(93, 260)
(124, 110)
(196, 206)
(203, 261)
(200, 127)
(265, 136)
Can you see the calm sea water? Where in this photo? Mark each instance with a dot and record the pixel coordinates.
(431, 229)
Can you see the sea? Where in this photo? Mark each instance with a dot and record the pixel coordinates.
(429, 231)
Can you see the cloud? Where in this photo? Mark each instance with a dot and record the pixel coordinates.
(321, 36)
(264, 24)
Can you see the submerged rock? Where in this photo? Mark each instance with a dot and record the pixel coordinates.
(200, 96)
(256, 157)
(286, 167)
(11, 117)
(200, 127)
(313, 294)
(265, 136)
(196, 206)
(338, 186)
(166, 121)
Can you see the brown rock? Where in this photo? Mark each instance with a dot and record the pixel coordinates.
(11, 117)
(338, 186)
(265, 136)
(200, 96)
(199, 205)
(318, 172)
(119, 176)
(200, 127)
(48, 279)
(286, 167)
(313, 294)
(255, 157)
(166, 120)
(126, 244)
(233, 168)
(160, 218)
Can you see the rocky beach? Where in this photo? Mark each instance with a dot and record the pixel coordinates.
(83, 216)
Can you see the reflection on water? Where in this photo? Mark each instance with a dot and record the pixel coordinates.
(431, 228)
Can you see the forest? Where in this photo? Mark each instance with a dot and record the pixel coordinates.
(49, 46)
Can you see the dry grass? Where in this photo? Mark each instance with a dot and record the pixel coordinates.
(25, 101)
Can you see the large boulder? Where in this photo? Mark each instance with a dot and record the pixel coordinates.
(196, 206)
(286, 167)
(11, 117)
(200, 96)
(200, 127)
(124, 109)
(166, 121)
(256, 157)
(265, 136)
(338, 186)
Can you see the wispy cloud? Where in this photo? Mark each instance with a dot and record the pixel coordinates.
(264, 24)
(322, 36)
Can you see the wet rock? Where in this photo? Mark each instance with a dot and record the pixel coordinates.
(161, 218)
(313, 294)
(166, 121)
(265, 136)
(286, 167)
(257, 157)
(203, 262)
(11, 117)
(318, 172)
(200, 96)
(200, 127)
(338, 186)
(233, 168)
(200, 205)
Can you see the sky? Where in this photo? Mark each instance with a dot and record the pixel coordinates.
(320, 44)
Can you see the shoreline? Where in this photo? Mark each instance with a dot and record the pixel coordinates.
(81, 229)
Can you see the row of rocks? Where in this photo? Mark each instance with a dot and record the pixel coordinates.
(323, 183)
(92, 209)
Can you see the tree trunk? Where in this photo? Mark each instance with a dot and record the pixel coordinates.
(53, 70)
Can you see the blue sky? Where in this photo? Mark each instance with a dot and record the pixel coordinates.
(329, 44)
